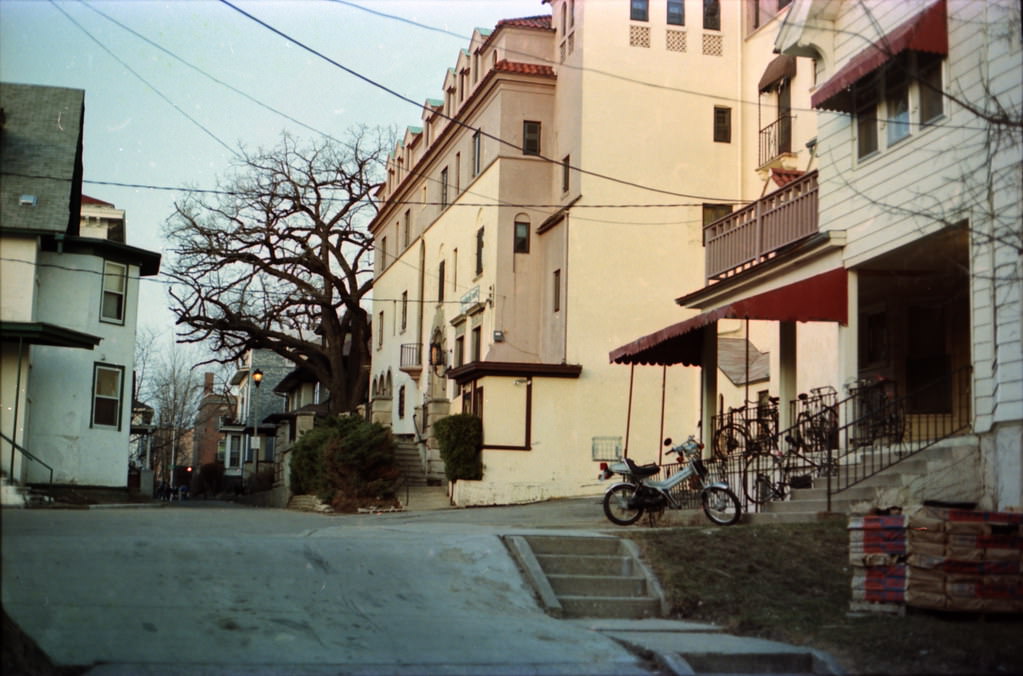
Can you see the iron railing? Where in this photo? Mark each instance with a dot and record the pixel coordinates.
(25, 452)
(753, 234)
(776, 139)
(880, 428)
(411, 356)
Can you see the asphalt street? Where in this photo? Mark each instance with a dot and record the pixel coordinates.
(216, 588)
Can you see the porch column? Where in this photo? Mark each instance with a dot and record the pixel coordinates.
(709, 382)
(848, 339)
(787, 362)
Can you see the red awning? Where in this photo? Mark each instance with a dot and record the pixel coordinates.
(925, 32)
(822, 298)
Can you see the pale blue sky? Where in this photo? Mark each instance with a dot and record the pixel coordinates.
(132, 135)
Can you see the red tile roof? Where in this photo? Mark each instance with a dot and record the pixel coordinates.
(92, 200)
(506, 66)
(785, 176)
(542, 21)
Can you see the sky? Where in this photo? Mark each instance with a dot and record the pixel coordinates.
(151, 120)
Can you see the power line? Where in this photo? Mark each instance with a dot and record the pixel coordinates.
(142, 79)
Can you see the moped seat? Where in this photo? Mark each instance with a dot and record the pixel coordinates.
(642, 470)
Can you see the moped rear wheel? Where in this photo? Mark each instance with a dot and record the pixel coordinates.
(616, 505)
(721, 506)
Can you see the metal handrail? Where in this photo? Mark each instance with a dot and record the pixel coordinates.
(25, 452)
(889, 431)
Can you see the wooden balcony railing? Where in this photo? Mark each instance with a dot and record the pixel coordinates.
(755, 233)
(776, 139)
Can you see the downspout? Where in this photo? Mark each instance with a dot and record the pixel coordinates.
(664, 378)
(628, 415)
(17, 402)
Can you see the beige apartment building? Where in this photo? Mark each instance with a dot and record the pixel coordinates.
(548, 208)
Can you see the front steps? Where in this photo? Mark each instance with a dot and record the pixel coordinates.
(944, 471)
(588, 576)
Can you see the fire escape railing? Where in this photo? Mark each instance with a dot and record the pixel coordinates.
(756, 232)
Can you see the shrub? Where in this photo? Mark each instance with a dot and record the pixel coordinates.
(461, 441)
(345, 460)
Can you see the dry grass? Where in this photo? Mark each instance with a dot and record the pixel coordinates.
(790, 582)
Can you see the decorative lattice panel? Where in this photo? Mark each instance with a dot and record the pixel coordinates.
(676, 41)
(639, 36)
(713, 44)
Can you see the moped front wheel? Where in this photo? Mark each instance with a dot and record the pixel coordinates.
(617, 505)
(721, 506)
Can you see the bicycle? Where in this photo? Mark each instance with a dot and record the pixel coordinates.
(817, 421)
(754, 434)
(878, 414)
(770, 477)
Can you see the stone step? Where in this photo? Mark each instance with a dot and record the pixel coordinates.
(425, 498)
(574, 564)
(546, 544)
(610, 606)
(598, 585)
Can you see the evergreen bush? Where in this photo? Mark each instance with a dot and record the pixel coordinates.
(461, 441)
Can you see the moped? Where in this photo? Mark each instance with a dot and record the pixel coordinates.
(626, 501)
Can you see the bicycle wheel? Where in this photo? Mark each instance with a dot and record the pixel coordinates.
(730, 440)
(761, 478)
(616, 505)
(721, 506)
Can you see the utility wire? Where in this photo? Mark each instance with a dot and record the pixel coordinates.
(142, 79)
(421, 106)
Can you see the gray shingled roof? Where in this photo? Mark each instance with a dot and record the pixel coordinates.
(40, 155)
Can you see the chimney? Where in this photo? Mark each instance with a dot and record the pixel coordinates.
(208, 389)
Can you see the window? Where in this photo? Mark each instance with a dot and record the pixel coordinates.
(440, 282)
(676, 13)
(407, 227)
(639, 10)
(712, 212)
(404, 310)
(458, 174)
(521, 235)
(571, 13)
(479, 251)
(236, 451)
(380, 329)
(115, 285)
(712, 15)
(459, 351)
(929, 77)
(444, 187)
(477, 147)
(383, 252)
(106, 395)
(530, 138)
(477, 344)
(896, 107)
(565, 166)
(866, 128)
(556, 299)
(401, 402)
(722, 124)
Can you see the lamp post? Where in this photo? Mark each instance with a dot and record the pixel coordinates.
(257, 378)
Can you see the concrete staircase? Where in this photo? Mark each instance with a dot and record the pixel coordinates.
(588, 576)
(408, 459)
(945, 471)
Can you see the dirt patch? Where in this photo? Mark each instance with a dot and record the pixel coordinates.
(791, 583)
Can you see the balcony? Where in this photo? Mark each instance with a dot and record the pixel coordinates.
(411, 359)
(755, 233)
(775, 140)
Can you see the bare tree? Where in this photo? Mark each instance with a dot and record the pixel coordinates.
(281, 259)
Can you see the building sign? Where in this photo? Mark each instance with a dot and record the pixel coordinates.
(471, 297)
